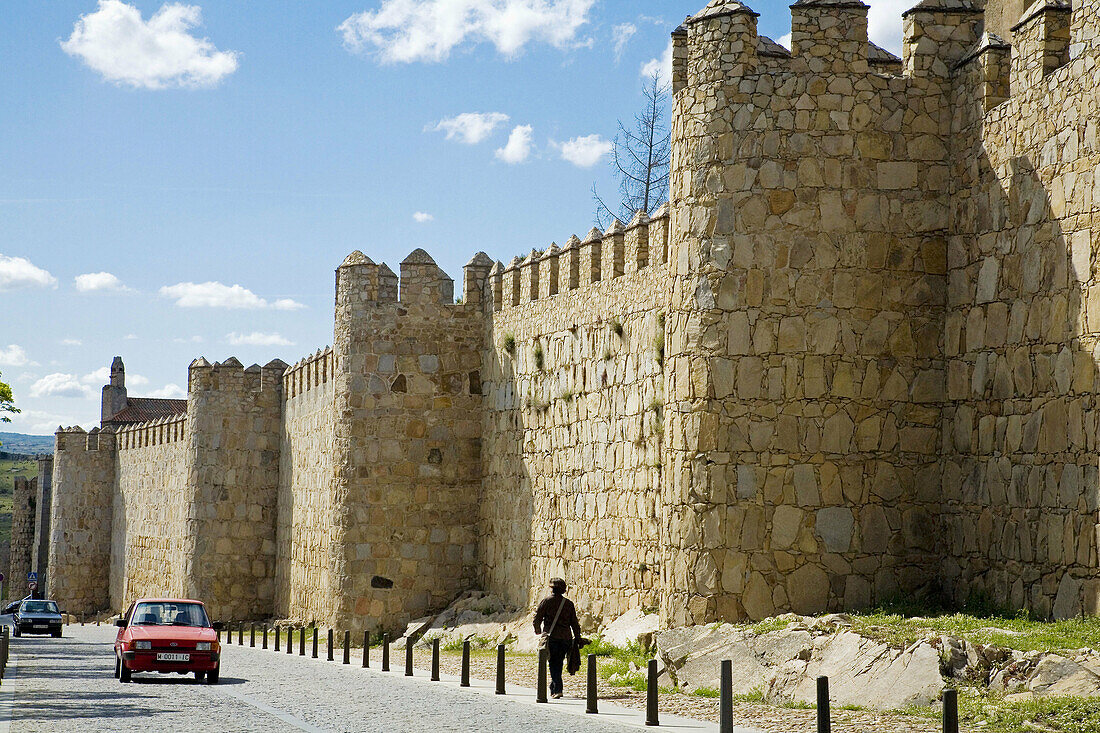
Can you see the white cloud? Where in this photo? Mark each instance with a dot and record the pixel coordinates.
(257, 338)
(170, 392)
(60, 385)
(18, 272)
(662, 66)
(785, 41)
(155, 54)
(71, 342)
(130, 337)
(13, 356)
(584, 152)
(91, 282)
(620, 36)
(217, 295)
(422, 217)
(404, 31)
(470, 127)
(518, 147)
(884, 23)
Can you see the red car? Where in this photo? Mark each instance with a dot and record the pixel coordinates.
(167, 635)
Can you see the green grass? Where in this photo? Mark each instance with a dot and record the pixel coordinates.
(993, 713)
(903, 624)
(707, 692)
(617, 661)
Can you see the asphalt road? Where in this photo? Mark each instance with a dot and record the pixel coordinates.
(61, 685)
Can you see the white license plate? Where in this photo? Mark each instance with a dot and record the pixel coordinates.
(41, 626)
(173, 657)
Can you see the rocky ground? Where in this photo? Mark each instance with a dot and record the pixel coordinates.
(522, 669)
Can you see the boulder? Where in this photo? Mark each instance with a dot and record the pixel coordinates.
(784, 665)
(633, 627)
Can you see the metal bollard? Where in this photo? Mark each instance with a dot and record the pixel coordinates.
(824, 719)
(465, 682)
(278, 638)
(725, 701)
(435, 659)
(540, 688)
(500, 669)
(240, 633)
(385, 652)
(651, 695)
(314, 642)
(330, 645)
(366, 648)
(265, 636)
(408, 656)
(950, 711)
(252, 636)
(289, 640)
(301, 642)
(347, 647)
(218, 635)
(593, 704)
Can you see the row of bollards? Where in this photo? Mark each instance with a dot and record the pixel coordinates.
(652, 717)
(5, 647)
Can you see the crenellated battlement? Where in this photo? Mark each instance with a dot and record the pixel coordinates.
(232, 376)
(162, 431)
(359, 280)
(600, 257)
(75, 439)
(309, 372)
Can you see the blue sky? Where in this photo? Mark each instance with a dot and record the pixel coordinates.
(181, 179)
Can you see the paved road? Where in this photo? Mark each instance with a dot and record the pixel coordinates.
(67, 684)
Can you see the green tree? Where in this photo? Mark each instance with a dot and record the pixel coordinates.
(7, 402)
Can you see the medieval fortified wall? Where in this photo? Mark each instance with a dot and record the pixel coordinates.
(854, 356)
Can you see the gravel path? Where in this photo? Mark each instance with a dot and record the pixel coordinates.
(61, 685)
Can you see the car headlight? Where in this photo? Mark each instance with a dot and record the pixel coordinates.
(202, 646)
(143, 645)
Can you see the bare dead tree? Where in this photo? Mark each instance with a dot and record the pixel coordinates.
(641, 158)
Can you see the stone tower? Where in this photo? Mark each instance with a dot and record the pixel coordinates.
(114, 392)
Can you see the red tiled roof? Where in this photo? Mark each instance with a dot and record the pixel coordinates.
(143, 409)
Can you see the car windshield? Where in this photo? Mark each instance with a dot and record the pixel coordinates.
(169, 613)
(38, 607)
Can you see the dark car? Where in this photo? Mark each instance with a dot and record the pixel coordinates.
(36, 617)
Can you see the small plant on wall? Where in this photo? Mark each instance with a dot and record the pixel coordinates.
(617, 327)
(659, 340)
(509, 343)
(540, 357)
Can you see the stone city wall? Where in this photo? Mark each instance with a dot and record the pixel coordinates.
(407, 438)
(303, 578)
(23, 509)
(805, 364)
(1020, 494)
(80, 519)
(574, 420)
(41, 548)
(234, 433)
(149, 542)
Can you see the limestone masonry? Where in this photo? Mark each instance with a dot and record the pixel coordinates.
(854, 356)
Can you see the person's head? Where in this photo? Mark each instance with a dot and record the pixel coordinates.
(557, 586)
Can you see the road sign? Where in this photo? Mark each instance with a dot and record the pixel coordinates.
(32, 577)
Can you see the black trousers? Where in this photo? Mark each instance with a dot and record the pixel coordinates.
(557, 650)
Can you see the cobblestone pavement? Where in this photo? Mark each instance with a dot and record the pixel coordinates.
(61, 685)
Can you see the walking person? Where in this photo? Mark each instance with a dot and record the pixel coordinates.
(558, 616)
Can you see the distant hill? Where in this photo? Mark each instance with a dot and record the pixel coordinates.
(26, 444)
